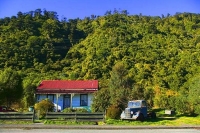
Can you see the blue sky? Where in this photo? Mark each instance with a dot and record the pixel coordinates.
(84, 8)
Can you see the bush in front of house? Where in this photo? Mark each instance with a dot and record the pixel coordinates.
(81, 110)
(43, 107)
(113, 112)
(68, 110)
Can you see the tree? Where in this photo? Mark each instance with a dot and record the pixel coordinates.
(119, 86)
(11, 87)
(182, 104)
(194, 94)
(101, 100)
(29, 96)
(50, 29)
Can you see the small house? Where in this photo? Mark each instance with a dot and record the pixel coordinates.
(67, 93)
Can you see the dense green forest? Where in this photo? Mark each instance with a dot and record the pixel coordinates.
(156, 58)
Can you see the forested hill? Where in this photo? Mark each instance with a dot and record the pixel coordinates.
(162, 51)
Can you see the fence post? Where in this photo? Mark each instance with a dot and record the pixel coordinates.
(38, 114)
(33, 119)
(104, 117)
(75, 116)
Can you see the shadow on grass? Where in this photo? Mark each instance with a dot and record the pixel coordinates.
(161, 113)
(187, 115)
(158, 110)
(164, 117)
(158, 119)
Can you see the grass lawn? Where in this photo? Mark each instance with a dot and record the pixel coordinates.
(160, 121)
(16, 122)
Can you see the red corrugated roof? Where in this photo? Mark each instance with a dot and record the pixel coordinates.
(64, 86)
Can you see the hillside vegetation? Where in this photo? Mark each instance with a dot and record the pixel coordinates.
(133, 57)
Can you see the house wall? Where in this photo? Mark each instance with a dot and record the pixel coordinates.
(75, 100)
(90, 96)
(41, 97)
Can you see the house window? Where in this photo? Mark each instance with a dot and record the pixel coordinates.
(83, 100)
(50, 97)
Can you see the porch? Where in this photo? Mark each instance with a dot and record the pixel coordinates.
(62, 101)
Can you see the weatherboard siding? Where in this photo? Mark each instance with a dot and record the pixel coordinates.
(76, 100)
(90, 96)
(41, 97)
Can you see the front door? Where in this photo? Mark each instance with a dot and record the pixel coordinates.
(67, 101)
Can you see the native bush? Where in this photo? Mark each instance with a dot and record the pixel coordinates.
(68, 110)
(182, 105)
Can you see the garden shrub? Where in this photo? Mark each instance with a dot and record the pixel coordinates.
(113, 112)
(43, 107)
(67, 110)
(80, 110)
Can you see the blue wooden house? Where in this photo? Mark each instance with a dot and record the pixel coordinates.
(67, 93)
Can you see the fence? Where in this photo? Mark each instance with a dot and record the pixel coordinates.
(53, 115)
(17, 115)
(99, 116)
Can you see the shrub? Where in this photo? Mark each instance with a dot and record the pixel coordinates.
(113, 112)
(80, 110)
(67, 110)
(44, 106)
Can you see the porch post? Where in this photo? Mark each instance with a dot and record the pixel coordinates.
(72, 94)
(57, 95)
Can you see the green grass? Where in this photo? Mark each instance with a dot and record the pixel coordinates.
(160, 121)
(69, 122)
(16, 122)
